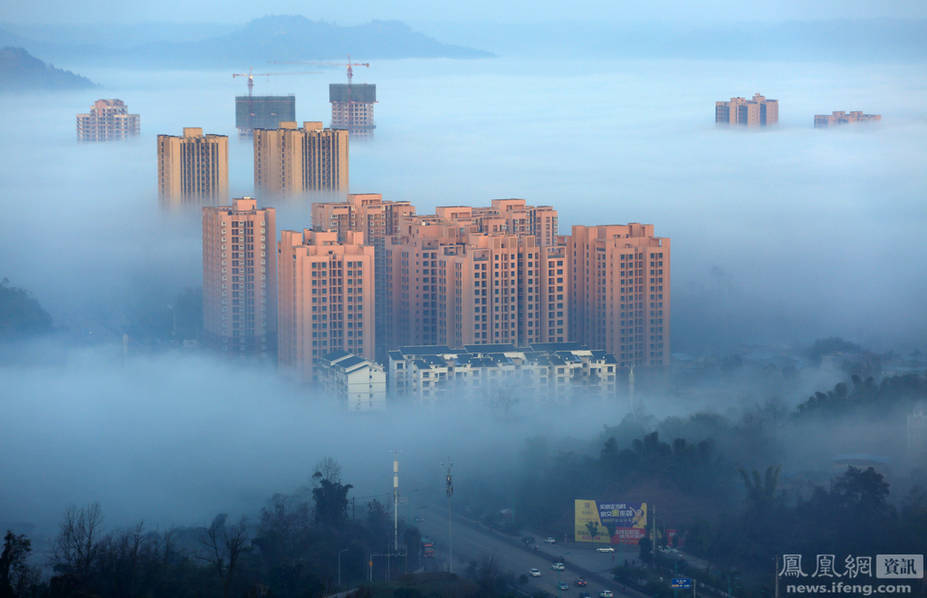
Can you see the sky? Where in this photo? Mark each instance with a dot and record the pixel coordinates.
(422, 11)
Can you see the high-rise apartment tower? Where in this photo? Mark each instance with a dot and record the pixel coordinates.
(193, 167)
(288, 160)
(240, 277)
(740, 112)
(325, 298)
(352, 107)
(108, 120)
(620, 293)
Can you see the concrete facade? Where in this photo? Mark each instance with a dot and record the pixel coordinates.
(554, 371)
(325, 298)
(193, 168)
(741, 112)
(356, 383)
(240, 277)
(620, 292)
(108, 120)
(291, 160)
(352, 107)
(839, 117)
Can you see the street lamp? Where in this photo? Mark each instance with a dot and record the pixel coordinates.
(339, 566)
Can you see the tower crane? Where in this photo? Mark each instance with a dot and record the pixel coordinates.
(251, 75)
(349, 65)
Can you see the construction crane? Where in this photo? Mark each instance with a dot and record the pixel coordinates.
(251, 75)
(349, 65)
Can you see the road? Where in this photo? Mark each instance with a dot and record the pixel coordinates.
(473, 542)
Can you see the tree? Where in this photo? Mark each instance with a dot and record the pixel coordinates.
(328, 469)
(75, 548)
(20, 314)
(224, 546)
(331, 501)
(15, 575)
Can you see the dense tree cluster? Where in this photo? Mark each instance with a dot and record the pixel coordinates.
(20, 314)
(290, 550)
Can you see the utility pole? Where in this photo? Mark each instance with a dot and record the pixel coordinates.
(450, 538)
(395, 501)
(776, 573)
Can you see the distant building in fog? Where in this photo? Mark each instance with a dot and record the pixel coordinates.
(356, 383)
(193, 167)
(239, 277)
(263, 112)
(839, 117)
(108, 120)
(288, 160)
(352, 107)
(741, 112)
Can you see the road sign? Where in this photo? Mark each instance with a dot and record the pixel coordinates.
(681, 583)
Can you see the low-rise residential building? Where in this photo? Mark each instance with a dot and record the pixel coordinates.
(356, 383)
(552, 370)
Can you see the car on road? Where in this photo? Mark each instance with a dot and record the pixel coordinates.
(550, 540)
(606, 594)
(605, 549)
(580, 582)
(564, 586)
(558, 566)
(584, 595)
(419, 519)
(534, 572)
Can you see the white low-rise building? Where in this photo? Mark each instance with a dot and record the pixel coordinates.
(554, 371)
(358, 384)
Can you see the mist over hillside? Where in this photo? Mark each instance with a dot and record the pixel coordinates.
(269, 38)
(21, 71)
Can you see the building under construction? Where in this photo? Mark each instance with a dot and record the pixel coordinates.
(263, 112)
(352, 107)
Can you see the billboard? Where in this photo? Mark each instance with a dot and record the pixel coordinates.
(610, 523)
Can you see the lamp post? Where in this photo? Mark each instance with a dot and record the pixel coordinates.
(339, 566)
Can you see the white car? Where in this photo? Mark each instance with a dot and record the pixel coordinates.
(558, 566)
(605, 549)
(606, 594)
(550, 540)
(534, 572)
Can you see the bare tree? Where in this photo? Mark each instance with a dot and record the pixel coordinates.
(75, 548)
(224, 546)
(328, 469)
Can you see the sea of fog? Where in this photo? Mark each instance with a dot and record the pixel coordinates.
(778, 236)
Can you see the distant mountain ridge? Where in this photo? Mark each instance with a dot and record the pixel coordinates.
(21, 71)
(286, 37)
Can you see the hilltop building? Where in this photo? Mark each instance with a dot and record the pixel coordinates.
(839, 117)
(288, 160)
(263, 112)
(549, 370)
(240, 277)
(325, 298)
(740, 112)
(108, 120)
(193, 167)
(352, 107)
